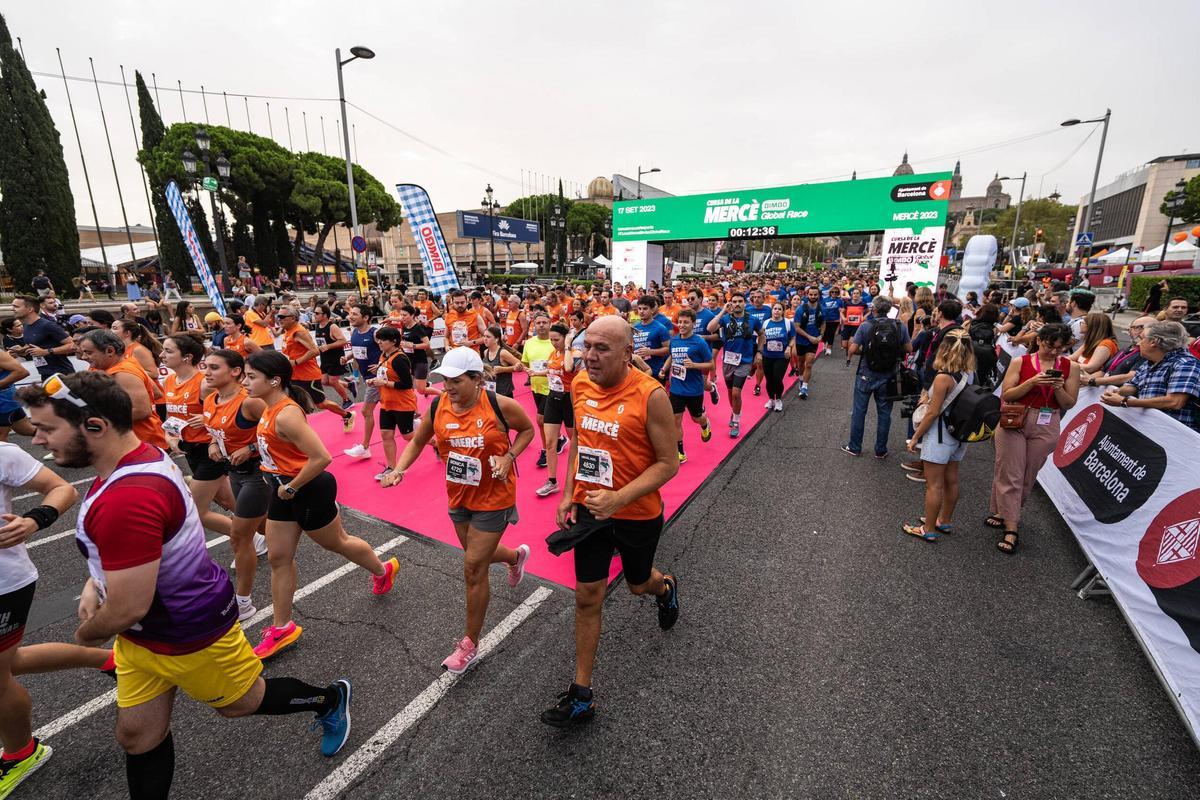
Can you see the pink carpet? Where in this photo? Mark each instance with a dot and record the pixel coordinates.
(419, 503)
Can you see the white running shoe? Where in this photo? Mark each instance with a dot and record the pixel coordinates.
(548, 488)
(386, 471)
(358, 451)
(516, 572)
(260, 545)
(779, 405)
(246, 610)
(769, 404)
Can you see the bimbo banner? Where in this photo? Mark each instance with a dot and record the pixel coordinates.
(1125, 481)
(192, 242)
(919, 202)
(910, 255)
(418, 210)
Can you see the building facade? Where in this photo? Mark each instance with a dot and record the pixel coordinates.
(1127, 209)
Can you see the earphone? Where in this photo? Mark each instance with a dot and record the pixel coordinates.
(92, 426)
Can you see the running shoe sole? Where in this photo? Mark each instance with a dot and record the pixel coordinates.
(469, 664)
(671, 618)
(545, 490)
(32, 767)
(281, 645)
(848, 451)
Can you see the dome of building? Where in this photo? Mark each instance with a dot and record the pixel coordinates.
(905, 168)
(995, 187)
(600, 188)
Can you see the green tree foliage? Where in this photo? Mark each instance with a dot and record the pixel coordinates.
(1051, 217)
(173, 255)
(585, 227)
(37, 210)
(1191, 203)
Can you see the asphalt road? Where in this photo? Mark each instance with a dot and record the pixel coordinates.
(820, 653)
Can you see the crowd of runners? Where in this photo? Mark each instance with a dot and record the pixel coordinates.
(613, 372)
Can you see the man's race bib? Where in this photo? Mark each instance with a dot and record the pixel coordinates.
(39, 361)
(360, 353)
(556, 383)
(595, 466)
(678, 371)
(774, 345)
(320, 340)
(458, 334)
(463, 469)
(406, 346)
(174, 426)
(508, 331)
(732, 358)
(538, 366)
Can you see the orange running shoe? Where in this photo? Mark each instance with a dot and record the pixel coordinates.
(382, 584)
(276, 640)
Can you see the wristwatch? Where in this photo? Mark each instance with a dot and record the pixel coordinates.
(290, 490)
(1125, 402)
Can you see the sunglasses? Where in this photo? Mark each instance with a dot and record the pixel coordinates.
(56, 389)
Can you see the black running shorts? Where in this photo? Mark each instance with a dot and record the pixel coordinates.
(312, 507)
(636, 540)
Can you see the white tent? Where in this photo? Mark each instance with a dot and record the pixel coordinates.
(1115, 257)
(1178, 251)
(602, 261)
(118, 254)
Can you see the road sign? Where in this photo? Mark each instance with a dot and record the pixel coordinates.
(371, 260)
(359, 244)
(209, 183)
(1085, 238)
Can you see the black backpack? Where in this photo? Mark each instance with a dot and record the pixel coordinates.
(972, 413)
(883, 349)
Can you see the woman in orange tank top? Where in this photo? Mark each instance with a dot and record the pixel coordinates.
(231, 417)
(305, 495)
(473, 441)
(184, 392)
(397, 397)
(301, 351)
(142, 348)
(236, 338)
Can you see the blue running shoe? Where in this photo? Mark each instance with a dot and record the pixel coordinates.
(335, 723)
(347, 403)
(574, 706)
(668, 604)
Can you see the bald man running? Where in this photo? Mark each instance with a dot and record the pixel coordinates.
(622, 453)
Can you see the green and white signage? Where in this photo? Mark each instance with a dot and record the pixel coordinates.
(872, 204)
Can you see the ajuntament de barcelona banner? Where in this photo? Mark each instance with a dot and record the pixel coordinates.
(870, 204)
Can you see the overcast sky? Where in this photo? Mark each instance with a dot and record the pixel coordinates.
(718, 95)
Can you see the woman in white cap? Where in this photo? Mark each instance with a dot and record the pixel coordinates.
(471, 425)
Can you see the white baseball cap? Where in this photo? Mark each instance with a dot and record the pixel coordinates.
(456, 362)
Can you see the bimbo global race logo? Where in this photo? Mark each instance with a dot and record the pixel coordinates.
(732, 209)
(1111, 466)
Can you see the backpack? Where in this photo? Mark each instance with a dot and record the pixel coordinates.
(971, 413)
(883, 349)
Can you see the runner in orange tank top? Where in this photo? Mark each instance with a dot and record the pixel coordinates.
(622, 454)
(464, 325)
(231, 417)
(397, 396)
(473, 440)
(558, 412)
(105, 352)
(302, 352)
(304, 499)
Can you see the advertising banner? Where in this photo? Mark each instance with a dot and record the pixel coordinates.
(912, 256)
(418, 210)
(639, 262)
(857, 206)
(192, 242)
(472, 225)
(1124, 480)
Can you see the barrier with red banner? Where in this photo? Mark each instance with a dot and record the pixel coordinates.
(1125, 481)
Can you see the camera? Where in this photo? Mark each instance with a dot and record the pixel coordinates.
(908, 405)
(891, 275)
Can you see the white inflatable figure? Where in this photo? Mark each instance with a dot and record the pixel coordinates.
(979, 259)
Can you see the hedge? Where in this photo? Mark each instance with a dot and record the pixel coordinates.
(1181, 286)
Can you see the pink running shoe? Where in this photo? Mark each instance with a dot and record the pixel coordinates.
(276, 640)
(463, 657)
(516, 572)
(382, 584)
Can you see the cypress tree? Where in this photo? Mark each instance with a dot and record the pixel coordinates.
(172, 252)
(37, 210)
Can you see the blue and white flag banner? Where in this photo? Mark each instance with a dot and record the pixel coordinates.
(418, 210)
(192, 242)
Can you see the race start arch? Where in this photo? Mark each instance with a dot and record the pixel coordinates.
(909, 210)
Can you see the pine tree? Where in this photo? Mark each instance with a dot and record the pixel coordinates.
(37, 210)
(172, 252)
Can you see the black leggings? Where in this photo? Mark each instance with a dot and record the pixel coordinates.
(774, 369)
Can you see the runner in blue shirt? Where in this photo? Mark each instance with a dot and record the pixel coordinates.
(651, 341)
(365, 354)
(810, 322)
(688, 365)
(757, 309)
(739, 337)
(705, 315)
(831, 311)
(775, 344)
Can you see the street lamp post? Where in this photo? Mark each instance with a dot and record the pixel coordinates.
(221, 168)
(1174, 201)
(642, 172)
(355, 52)
(491, 205)
(1017, 220)
(1087, 218)
(557, 223)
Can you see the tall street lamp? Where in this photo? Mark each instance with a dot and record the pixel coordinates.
(355, 52)
(1087, 219)
(491, 205)
(217, 171)
(557, 223)
(642, 172)
(1017, 220)
(1174, 201)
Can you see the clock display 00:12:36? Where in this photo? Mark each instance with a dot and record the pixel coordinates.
(750, 233)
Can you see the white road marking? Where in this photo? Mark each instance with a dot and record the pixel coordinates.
(54, 537)
(353, 767)
(92, 706)
(28, 495)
